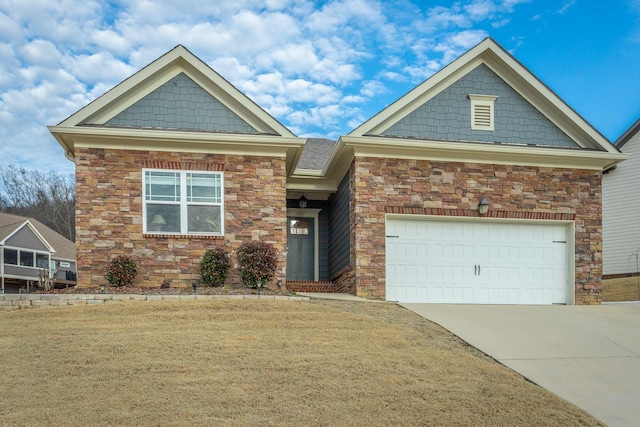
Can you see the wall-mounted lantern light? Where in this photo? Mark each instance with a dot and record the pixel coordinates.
(302, 202)
(483, 206)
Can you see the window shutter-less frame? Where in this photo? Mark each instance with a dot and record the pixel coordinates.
(482, 111)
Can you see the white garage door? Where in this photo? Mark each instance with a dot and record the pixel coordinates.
(476, 262)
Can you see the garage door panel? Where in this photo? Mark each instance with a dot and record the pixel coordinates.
(476, 262)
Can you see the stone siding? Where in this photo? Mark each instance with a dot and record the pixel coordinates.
(447, 188)
(109, 213)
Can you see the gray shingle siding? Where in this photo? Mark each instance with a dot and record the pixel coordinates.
(447, 116)
(181, 104)
(340, 235)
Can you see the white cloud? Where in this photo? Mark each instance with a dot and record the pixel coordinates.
(326, 116)
(566, 6)
(335, 16)
(10, 30)
(100, 66)
(292, 58)
(41, 52)
(372, 88)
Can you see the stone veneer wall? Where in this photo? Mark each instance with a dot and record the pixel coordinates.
(448, 188)
(109, 213)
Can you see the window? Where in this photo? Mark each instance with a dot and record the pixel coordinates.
(42, 261)
(26, 258)
(182, 202)
(482, 112)
(298, 226)
(11, 256)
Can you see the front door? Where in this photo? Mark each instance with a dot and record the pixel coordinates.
(300, 243)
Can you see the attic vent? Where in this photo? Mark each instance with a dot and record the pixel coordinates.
(482, 111)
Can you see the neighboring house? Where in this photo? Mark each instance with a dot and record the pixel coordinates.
(175, 160)
(28, 249)
(620, 208)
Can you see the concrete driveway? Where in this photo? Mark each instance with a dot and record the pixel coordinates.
(588, 355)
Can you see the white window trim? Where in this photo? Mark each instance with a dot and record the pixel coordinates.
(482, 101)
(183, 203)
(18, 250)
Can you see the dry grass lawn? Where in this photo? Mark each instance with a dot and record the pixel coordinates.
(621, 289)
(256, 363)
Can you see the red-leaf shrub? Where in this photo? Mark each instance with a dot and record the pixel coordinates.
(214, 266)
(257, 263)
(122, 271)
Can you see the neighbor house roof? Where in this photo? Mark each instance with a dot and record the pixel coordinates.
(629, 133)
(64, 248)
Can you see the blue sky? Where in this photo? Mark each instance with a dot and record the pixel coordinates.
(320, 67)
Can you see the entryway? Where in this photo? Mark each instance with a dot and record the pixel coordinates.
(301, 237)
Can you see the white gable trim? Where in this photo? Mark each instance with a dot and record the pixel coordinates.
(28, 224)
(164, 69)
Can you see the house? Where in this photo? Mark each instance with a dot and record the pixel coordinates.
(478, 186)
(29, 250)
(620, 206)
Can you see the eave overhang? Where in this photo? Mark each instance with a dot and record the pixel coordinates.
(178, 141)
(469, 152)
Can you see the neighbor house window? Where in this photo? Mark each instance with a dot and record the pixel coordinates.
(183, 202)
(11, 256)
(42, 261)
(26, 258)
(482, 112)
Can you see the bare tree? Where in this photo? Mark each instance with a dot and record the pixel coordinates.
(48, 197)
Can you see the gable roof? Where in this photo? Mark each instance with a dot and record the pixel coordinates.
(91, 126)
(628, 134)
(503, 64)
(590, 151)
(11, 224)
(176, 61)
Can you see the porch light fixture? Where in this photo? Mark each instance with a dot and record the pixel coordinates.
(302, 202)
(102, 286)
(483, 206)
(194, 285)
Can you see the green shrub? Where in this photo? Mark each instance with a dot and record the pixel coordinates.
(214, 267)
(122, 271)
(257, 263)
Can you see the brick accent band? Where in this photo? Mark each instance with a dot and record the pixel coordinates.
(190, 166)
(182, 236)
(474, 213)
